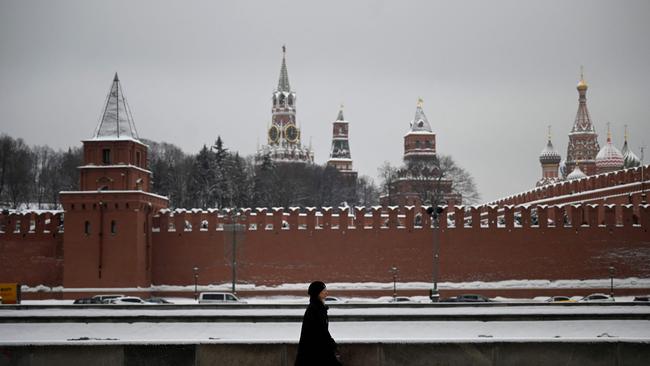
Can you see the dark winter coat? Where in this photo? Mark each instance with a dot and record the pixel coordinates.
(316, 347)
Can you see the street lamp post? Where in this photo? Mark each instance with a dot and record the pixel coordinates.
(234, 249)
(394, 271)
(196, 282)
(434, 211)
(612, 270)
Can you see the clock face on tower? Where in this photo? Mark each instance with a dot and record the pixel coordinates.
(274, 133)
(292, 133)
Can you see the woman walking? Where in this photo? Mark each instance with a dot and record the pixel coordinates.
(316, 347)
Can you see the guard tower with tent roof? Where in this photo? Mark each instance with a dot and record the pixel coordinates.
(108, 238)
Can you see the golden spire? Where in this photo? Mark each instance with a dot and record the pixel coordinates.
(549, 132)
(609, 133)
(420, 101)
(625, 133)
(582, 84)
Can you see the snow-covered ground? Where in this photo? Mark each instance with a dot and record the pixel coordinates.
(152, 332)
(352, 332)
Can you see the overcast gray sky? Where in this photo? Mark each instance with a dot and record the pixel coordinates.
(493, 74)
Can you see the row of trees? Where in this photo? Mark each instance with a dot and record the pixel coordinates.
(34, 176)
(216, 177)
(213, 178)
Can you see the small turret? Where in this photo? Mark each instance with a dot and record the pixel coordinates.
(550, 160)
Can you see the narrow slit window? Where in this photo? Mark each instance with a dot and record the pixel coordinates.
(106, 156)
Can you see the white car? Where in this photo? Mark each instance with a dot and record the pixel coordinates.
(127, 300)
(218, 298)
(597, 298)
(333, 300)
(106, 299)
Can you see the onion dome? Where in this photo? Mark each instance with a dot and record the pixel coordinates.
(582, 85)
(549, 155)
(630, 160)
(576, 174)
(609, 158)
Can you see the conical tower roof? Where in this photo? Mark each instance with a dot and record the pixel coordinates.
(420, 122)
(116, 122)
(283, 83)
(340, 117)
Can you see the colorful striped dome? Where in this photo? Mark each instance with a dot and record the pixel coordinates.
(609, 158)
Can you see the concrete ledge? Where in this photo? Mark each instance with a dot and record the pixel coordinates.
(361, 354)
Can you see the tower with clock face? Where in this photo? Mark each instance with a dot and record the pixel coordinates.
(283, 133)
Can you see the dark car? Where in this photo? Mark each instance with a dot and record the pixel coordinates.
(467, 298)
(644, 298)
(87, 300)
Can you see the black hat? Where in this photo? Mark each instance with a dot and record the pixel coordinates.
(315, 288)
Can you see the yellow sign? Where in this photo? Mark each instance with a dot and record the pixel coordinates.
(10, 293)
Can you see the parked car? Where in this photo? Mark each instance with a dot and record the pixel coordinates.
(105, 299)
(597, 298)
(157, 300)
(218, 298)
(87, 300)
(333, 300)
(467, 298)
(560, 299)
(401, 299)
(127, 300)
(644, 298)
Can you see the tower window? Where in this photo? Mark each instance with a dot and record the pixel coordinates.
(113, 227)
(87, 228)
(417, 144)
(106, 156)
(137, 159)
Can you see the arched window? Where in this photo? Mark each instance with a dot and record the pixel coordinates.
(427, 143)
(290, 100)
(87, 228)
(113, 227)
(281, 99)
(417, 144)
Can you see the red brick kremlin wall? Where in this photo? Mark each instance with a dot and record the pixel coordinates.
(622, 186)
(571, 242)
(309, 246)
(31, 249)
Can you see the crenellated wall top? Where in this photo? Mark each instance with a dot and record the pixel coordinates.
(408, 217)
(592, 185)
